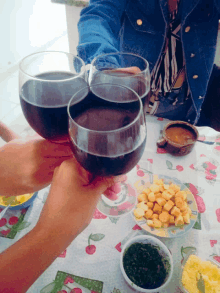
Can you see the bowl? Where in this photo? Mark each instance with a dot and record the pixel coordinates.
(25, 203)
(186, 257)
(173, 142)
(171, 231)
(164, 252)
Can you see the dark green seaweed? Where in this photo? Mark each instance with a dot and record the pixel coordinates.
(144, 265)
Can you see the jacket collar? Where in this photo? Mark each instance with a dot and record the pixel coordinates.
(187, 7)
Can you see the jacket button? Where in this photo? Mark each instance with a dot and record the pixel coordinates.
(192, 55)
(195, 76)
(187, 29)
(139, 22)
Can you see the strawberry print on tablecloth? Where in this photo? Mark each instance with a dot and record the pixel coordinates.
(68, 283)
(13, 222)
(207, 167)
(216, 149)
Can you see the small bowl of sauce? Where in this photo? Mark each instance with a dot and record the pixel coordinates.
(178, 138)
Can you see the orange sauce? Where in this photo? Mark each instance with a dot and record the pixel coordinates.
(180, 135)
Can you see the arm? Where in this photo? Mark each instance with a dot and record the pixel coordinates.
(71, 195)
(99, 27)
(28, 165)
(7, 134)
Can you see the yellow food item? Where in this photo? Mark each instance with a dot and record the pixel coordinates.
(186, 218)
(151, 197)
(139, 213)
(146, 191)
(166, 195)
(168, 206)
(148, 214)
(142, 197)
(157, 223)
(164, 205)
(175, 211)
(155, 188)
(150, 204)
(179, 221)
(161, 201)
(19, 199)
(157, 208)
(155, 216)
(150, 223)
(164, 217)
(142, 205)
(175, 187)
(172, 220)
(157, 195)
(194, 268)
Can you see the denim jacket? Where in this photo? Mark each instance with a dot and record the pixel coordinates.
(111, 25)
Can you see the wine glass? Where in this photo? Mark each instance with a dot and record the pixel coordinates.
(125, 69)
(47, 81)
(108, 135)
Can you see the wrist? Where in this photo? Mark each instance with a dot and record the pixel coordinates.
(58, 237)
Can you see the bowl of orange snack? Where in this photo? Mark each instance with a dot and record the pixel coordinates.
(17, 202)
(165, 207)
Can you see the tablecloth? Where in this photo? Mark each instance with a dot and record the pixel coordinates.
(91, 262)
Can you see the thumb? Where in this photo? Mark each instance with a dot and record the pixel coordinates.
(100, 184)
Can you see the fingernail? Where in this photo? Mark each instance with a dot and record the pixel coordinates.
(111, 195)
(120, 178)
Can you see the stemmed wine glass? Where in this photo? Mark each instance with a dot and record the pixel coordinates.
(125, 69)
(47, 81)
(108, 136)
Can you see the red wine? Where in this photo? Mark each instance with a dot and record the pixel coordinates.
(44, 103)
(108, 154)
(138, 83)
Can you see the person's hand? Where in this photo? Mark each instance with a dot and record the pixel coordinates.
(6, 133)
(28, 165)
(73, 198)
(131, 70)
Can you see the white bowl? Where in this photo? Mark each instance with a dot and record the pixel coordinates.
(164, 253)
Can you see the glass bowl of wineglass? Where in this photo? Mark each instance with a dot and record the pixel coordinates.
(108, 135)
(47, 81)
(125, 69)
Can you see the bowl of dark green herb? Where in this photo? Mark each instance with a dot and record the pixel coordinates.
(146, 264)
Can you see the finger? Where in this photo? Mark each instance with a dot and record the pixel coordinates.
(101, 184)
(133, 69)
(51, 163)
(110, 194)
(51, 150)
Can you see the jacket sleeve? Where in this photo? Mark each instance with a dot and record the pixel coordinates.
(99, 28)
(217, 3)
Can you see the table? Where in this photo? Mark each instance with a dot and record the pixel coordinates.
(95, 268)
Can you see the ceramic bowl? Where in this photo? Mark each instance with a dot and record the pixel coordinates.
(165, 253)
(23, 205)
(185, 259)
(171, 231)
(176, 149)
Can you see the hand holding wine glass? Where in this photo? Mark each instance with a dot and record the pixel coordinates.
(47, 81)
(107, 130)
(125, 69)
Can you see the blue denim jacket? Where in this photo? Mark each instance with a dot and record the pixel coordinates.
(111, 25)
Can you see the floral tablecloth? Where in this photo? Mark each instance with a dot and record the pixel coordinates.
(91, 262)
